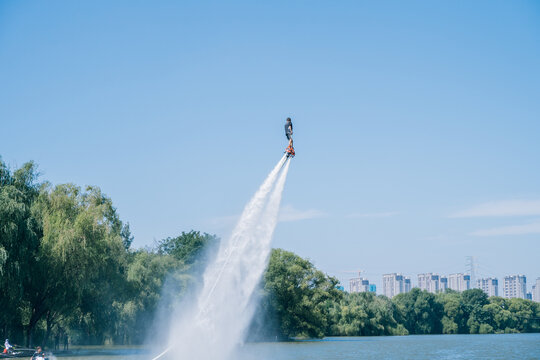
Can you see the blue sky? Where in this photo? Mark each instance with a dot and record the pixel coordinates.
(416, 123)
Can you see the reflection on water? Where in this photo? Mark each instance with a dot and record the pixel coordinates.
(426, 347)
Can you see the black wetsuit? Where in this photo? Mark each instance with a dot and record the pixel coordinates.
(288, 130)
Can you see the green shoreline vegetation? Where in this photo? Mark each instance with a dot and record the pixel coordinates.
(67, 270)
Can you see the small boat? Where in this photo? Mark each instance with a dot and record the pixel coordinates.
(18, 353)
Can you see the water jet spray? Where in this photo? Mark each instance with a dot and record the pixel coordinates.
(223, 307)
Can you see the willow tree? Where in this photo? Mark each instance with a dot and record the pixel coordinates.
(20, 233)
(80, 257)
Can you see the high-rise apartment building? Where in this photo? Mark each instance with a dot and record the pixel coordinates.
(359, 284)
(515, 286)
(536, 291)
(459, 282)
(443, 283)
(395, 283)
(490, 286)
(407, 284)
(429, 282)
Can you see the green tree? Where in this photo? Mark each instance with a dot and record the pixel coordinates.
(473, 301)
(192, 249)
(421, 313)
(453, 321)
(157, 279)
(298, 294)
(501, 317)
(20, 233)
(146, 275)
(525, 314)
(364, 314)
(80, 259)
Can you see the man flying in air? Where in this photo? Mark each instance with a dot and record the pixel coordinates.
(288, 134)
(288, 131)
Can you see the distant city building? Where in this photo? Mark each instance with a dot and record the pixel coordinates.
(357, 285)
(407, 284)
(536, 291)
(459, 282)
(394, 284)
(443, 284)
(515, 286)
(373, 288)
(490, 286)
(528, 296)
(341, 288)
(429, 282)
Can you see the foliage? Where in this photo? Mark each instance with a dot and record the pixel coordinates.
(300, 301)
(421, 312)
(191, 248)
(19, 240)
(67, 268)
(364, 314)
(298, 294)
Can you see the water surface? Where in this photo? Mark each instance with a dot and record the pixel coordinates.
(425, 347)
(420, 347)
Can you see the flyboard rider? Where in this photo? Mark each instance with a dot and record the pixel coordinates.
(288, 133)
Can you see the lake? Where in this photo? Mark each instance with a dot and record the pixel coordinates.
(419, 347)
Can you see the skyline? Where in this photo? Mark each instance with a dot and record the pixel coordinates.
(416, 125)
(416, 283)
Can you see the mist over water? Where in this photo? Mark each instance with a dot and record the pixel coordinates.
(213, 323)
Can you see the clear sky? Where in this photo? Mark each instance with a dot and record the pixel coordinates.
(417, 124)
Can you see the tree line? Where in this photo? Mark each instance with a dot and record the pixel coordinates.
(300, 301)
(68, 271)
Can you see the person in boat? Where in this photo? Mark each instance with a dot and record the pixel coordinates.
(7, 347)
(39, 354)
(289, 131)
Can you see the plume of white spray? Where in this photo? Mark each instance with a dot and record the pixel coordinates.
(223, 308)
(257, 253)
(242, 233)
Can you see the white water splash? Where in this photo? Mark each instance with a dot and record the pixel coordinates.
(224, 308)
